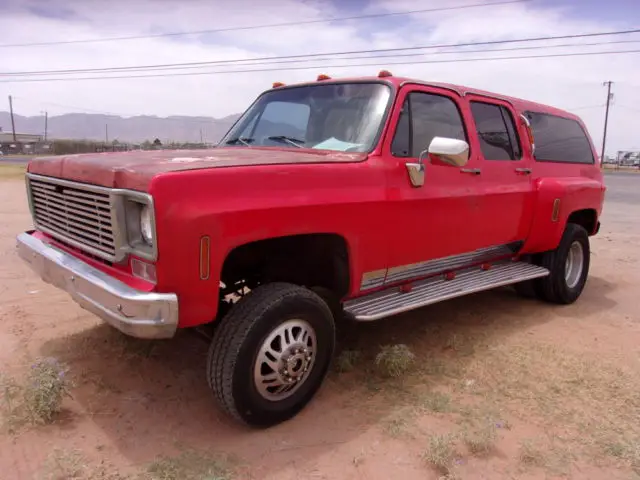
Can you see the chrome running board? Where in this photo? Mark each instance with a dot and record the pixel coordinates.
(437, 289)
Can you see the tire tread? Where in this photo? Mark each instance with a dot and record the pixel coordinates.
(234, 328)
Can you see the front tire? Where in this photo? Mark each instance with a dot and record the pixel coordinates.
(270, 353)
(569, 267)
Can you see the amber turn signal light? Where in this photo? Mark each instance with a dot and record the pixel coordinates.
(205, 255)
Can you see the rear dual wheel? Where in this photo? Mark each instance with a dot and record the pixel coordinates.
(568, 265)
(270, 353)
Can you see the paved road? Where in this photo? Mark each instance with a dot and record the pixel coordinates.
(15, 159)
(622, 187)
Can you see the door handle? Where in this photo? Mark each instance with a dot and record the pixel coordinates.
(472, 171)
(523, 171)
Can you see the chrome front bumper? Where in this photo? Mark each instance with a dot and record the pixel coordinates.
(133, 312)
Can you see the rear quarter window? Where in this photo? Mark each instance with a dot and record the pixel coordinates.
(559, 139)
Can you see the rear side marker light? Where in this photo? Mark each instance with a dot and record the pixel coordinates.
(205, 255)
(323, 77)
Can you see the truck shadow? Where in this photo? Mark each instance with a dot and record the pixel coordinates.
(150, 398)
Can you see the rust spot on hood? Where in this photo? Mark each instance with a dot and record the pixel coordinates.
(134, 170)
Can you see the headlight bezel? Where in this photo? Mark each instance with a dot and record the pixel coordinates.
(128, 208)
(146, 225)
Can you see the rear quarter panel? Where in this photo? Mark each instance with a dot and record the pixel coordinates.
(577, 187)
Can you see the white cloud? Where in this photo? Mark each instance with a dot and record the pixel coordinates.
(565, 82)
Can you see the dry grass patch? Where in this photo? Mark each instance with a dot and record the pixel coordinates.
(394, 360)
(72, 465)
(441, 453)
(481, 440)
(438, 402)
(11, 171)
(347, 360)
(587, 396)
(532, 454)
(39, 399)
(191, 465)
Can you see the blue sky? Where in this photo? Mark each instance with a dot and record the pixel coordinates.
(570, 82)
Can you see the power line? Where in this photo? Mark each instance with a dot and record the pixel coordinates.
(270, 25)
(325, 54)
(584, 108)
(629, 108)
(280, 62)
(324, 67)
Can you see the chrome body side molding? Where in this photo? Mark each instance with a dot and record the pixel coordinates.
(401, 273)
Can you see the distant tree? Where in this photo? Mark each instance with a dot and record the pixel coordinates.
(146, 145)
(157, 143)
(115, 142)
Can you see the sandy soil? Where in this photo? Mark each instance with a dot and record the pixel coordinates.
(556, 388)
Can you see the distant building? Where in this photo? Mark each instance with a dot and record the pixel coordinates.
(24, 143)
(629, 158)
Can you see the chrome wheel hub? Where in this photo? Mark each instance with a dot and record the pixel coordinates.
(574, 264)
(285, 360)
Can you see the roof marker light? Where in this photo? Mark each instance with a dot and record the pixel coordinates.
(322, 76)
(384, 73)
(277, 84)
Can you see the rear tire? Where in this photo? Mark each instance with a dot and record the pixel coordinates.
(569, 267)
(270, 353)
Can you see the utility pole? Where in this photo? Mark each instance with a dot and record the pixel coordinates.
(46, 121)
(106, 133)
(201, 136)
(606, 118)
(13, 123)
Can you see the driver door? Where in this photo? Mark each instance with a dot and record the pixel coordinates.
(433, 227)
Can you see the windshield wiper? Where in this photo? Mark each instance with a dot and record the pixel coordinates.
(244, 140)
(296, 142)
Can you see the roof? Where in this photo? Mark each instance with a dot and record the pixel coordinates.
(519, 103)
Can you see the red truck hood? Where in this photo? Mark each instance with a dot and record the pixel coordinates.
(134, 170)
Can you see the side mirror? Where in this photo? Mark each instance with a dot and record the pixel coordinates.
(442, 151)
(448, 151)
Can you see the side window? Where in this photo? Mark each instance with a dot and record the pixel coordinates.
(424, 116)
(496, 131)
(559, 139)
(401, 145)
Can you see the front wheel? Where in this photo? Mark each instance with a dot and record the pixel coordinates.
(569, 267)
(270, 353)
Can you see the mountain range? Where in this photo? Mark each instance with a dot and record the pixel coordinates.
(89, 126)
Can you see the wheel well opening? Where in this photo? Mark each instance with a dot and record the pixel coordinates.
(310, 260)
(586, 218)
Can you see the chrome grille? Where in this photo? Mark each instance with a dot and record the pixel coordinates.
(76, 213)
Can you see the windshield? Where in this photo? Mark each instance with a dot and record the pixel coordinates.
(344, 117)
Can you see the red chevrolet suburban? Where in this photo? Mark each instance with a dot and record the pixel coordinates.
(358, 198)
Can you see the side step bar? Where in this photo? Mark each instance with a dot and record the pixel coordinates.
(436, 289)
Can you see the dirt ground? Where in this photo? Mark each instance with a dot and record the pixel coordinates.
(502, 387)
